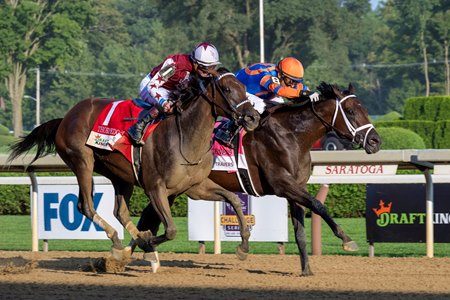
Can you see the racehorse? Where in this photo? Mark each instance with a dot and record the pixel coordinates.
(280, 163)
(175, 159)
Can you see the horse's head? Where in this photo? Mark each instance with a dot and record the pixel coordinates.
(350, 119)
(228, 96)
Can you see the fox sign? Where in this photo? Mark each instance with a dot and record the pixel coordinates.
(59, 218)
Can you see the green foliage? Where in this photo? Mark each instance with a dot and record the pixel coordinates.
(4, 130)
(343, 200)
(6, 140)
(427, 108)
(396, 138)
(425, 129)
(391, 116)
(14, 200)
(442, 135)
(139, 201)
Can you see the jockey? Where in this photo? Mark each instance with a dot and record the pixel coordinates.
(269, 83)
(174, 71)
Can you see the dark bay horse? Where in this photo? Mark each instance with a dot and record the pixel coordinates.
(175, 159)
(279, 161)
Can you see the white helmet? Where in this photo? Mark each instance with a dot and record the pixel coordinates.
(206, 54)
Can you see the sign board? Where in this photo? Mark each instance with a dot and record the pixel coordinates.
(396, 213)
(352, 170)
(267, 217)
(58, 216)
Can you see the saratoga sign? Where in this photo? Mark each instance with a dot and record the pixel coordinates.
(342, 170)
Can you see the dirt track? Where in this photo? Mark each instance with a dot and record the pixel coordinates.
(192, 276)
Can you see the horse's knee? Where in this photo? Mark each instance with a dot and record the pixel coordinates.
(171, 233)
(86, 211)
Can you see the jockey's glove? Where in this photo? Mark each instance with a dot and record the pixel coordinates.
(314, 97)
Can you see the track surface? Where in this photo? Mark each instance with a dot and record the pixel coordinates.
(59, 275)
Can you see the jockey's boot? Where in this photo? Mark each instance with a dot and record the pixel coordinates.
(226, 133)
(136, 132)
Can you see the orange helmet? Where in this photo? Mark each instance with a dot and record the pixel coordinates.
(291, 68)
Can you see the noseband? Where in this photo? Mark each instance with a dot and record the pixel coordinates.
(352, 130)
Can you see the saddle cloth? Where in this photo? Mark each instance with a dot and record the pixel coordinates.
(109, 129)
(232, 160)
(224, 156)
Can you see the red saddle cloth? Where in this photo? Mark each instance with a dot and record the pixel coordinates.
(109, 130)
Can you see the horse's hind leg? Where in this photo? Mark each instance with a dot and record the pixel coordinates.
(298, 221)
(208, 190)
(318, 208)
(83, 169)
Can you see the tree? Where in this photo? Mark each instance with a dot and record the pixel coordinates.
(441, 30)
(37, 33)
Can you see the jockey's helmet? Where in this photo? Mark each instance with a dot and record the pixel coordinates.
(291, 68)
(205, 54)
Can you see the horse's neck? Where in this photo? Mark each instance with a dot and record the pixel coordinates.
(197, 125)
(301, 124)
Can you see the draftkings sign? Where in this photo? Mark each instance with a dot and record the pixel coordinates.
(396, 213)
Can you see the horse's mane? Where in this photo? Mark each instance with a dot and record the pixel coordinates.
(195, 86)
(327, 93)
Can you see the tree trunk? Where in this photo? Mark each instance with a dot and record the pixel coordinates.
(15, 82)
(447, 69)
(425, 64)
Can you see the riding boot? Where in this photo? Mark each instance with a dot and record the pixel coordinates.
(136, 132)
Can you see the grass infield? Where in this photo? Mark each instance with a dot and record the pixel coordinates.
(16, 235)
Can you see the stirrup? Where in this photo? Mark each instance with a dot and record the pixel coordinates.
(225, 137)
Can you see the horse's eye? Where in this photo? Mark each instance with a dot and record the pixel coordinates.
(227, 90)
(351, 112)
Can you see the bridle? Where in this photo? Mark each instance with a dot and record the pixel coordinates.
(231, 110)
(351, 129)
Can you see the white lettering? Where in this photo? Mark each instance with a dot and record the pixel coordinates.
(442, 218)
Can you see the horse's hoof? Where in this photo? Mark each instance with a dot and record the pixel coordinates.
(350, 246)
(117, 254)
(307, 272)
(153, 258)
(241, 254)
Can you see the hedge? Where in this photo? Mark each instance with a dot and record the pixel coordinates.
(425, 129)
(15, 199)
(390, 139)
(433, 108)
(391, 116)
(4, 130)
(442, 135)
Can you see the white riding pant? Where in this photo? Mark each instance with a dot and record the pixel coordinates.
(145, 87)
(260, 104)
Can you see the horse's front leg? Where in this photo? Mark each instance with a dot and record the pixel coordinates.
(209, 190)
(298, 221)
(148, 222)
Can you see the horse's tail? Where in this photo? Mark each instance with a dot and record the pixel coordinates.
(42, 137)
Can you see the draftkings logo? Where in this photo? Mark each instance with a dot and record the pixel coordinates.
(386, 217)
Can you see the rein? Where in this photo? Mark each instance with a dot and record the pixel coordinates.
(331, 126)
(232, 111)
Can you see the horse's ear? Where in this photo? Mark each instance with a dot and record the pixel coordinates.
(336, 91)
(351, 88)
(214, 73)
